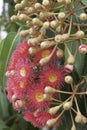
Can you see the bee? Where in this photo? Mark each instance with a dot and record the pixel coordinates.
(36, 72)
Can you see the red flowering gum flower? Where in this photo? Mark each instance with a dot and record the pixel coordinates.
(10, 89)
(22, 77)
(21, 88)
(39, 119)
(15, 57)
(53, 77)
(24, 69)
(36, 97)
(18, 87)
(44, 116)
(22, 49)
(20, 52)
(29, 116)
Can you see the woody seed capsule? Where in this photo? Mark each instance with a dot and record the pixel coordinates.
(78, 118)
(45, 2)
(59, 53)
(49, 90)
(80, 34)
(68, 79)
(23, 17)
(67, 105)
(83, 16)
(73, 127)
(68, 2)
(61, 16)
(71, 60)
(45, 60)
(58, 38)
(37, 21)
(46, 24)
(33, 50)
(54, 23)
(14, 18)
(47, 44)
(51, 122)
(38, 6)
(60, 1)
(18, 6)
(54, 110)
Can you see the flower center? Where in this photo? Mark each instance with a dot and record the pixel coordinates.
(45, 53)
(39, 97)
(53, 78)
(23, 72)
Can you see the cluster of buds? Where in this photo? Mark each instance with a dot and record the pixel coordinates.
(35, 73)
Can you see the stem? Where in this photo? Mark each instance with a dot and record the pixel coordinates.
(81, 93)
(77, 104)
(65, 28)
(72, 87)
(74, 110)
(55, 103)
(80, 84)
(84, 38)
(52, 38)
(71, 117)
(59, 7)
(80, 8)
(68, 50)
(60, 115)
(52, 30)
(70, 25)
(72, 98)
(56, 100)
(54, 49)
(63, 92)
(64, 101)
(75, 24)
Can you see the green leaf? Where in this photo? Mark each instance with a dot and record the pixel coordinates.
(14, 127)
(7, 46)
(84, 2)
(79, 59)
(75, 18)
(85, 77)
(80, 62)
(85, 100)
(21, 24)
(2, 125)
(3, 105)
(1, 45)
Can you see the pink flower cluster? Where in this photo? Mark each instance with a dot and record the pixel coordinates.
(27, 81)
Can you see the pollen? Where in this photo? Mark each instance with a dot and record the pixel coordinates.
(23, 72)
(45, 53)
(21, 84)
(39, 97)
(52, 78)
